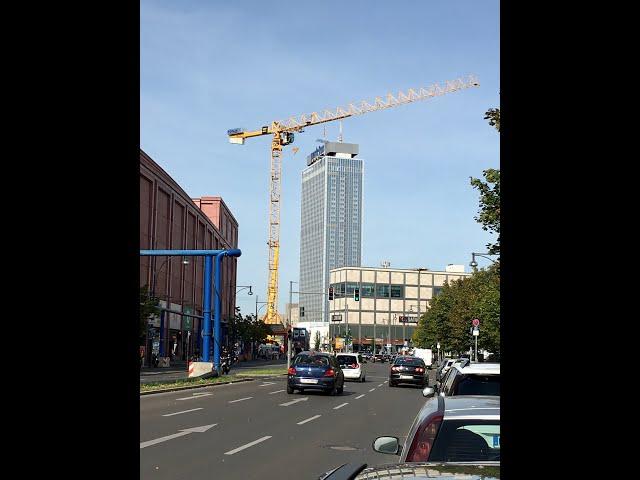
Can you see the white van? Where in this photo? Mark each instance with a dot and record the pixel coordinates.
(352, 366)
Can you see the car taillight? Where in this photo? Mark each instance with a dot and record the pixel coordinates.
(292, 371)
(419, 369)
(329, 373)
(423, 440)
(353, 365)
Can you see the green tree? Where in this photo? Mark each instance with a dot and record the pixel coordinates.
(148, 306)
(317, 340)
(489, 208)
(448, 321)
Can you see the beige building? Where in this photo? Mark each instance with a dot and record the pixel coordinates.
(391, 301)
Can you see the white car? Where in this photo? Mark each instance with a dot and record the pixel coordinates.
(352, 366)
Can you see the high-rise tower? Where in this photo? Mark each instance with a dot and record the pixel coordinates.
(331, 224)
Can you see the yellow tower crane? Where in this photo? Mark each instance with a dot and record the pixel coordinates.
(282, 133)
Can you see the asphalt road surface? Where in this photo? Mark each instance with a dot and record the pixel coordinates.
(256, 430)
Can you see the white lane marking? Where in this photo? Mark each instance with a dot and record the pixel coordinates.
(372, 390)
(181, 433)
(309, 419)
(385, 381)
(294, 401)
(184, 411)
(240, 399)
(250, 444)
(381, 384)
(196, 396)
(360, 396)
(277, 391)
(201, 394)
(265, 384)
(340, 406)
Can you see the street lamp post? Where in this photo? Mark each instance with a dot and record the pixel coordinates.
(291, 282)
(473, 264)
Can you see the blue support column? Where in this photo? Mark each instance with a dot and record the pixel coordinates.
(218, 308)
(206, 337)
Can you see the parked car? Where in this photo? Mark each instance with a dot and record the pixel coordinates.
(315, 371)
(450, 429)
(415, 470)
(472, 379)
(407, 369)
(443, 368)
(352, 366)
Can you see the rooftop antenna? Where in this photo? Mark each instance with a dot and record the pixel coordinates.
(385, 264)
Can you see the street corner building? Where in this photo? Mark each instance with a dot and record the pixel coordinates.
(171, 219)
(390, 302)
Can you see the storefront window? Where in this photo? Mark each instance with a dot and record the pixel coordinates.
(351, 287)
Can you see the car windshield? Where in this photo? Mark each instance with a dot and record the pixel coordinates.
(467, 441)
(315, 360)
(479, 385)
(412, 361)
(347, 360)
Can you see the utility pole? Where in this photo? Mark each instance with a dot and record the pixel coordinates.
(289, 325)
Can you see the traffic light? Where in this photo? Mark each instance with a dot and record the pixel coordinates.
(330, 293)
(356, 294)
(302, 311)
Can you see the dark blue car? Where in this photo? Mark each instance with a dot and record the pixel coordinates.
(315, 371)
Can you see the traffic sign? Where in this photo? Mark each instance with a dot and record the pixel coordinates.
(476, 332)
(475, 322)
(336, 318)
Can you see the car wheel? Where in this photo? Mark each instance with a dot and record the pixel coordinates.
(289, 389)
(341, 389)
(333, 390)
(363, 379)
(391, 384)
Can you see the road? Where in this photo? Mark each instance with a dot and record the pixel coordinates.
(255, 430)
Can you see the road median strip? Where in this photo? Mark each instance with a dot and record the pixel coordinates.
(186, 384)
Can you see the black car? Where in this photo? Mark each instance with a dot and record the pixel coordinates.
(315, 371)
(408, 370)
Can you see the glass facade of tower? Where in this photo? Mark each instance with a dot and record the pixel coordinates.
(331, 228)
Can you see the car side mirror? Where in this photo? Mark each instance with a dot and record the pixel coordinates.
(428, 392)
(389, 445)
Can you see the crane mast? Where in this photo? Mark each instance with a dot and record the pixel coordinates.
(282, 133)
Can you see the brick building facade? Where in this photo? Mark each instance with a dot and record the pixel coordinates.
(171, 219)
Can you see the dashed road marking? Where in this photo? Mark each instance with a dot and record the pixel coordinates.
(277, 391)
(240, 399)
(372, 390)
(250, 444)
(265, 384)
(309, 419)
(360, 396)
(340, 406)
(184, 411)
(195, 396)
(381, 384)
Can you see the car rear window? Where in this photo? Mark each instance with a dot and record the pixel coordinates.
(418, 362)
(317, 360)
(467, 441)
(478, 385)
(347, 359)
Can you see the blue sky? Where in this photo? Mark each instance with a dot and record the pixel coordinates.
(206, 67)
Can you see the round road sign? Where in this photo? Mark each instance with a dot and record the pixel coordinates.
(475, 322)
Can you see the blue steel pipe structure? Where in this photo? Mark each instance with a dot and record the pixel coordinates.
(206, 308)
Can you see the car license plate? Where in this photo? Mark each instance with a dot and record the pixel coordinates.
(407, 377)
(308, 380)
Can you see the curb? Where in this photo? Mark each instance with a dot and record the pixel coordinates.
(190, 387)
(261, 374)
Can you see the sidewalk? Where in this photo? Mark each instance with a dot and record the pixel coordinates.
(179, 370)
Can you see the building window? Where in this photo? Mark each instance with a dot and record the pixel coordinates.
(436, 291)
(367, 290)
(397, 291)
(382, 291)
(351, 287)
